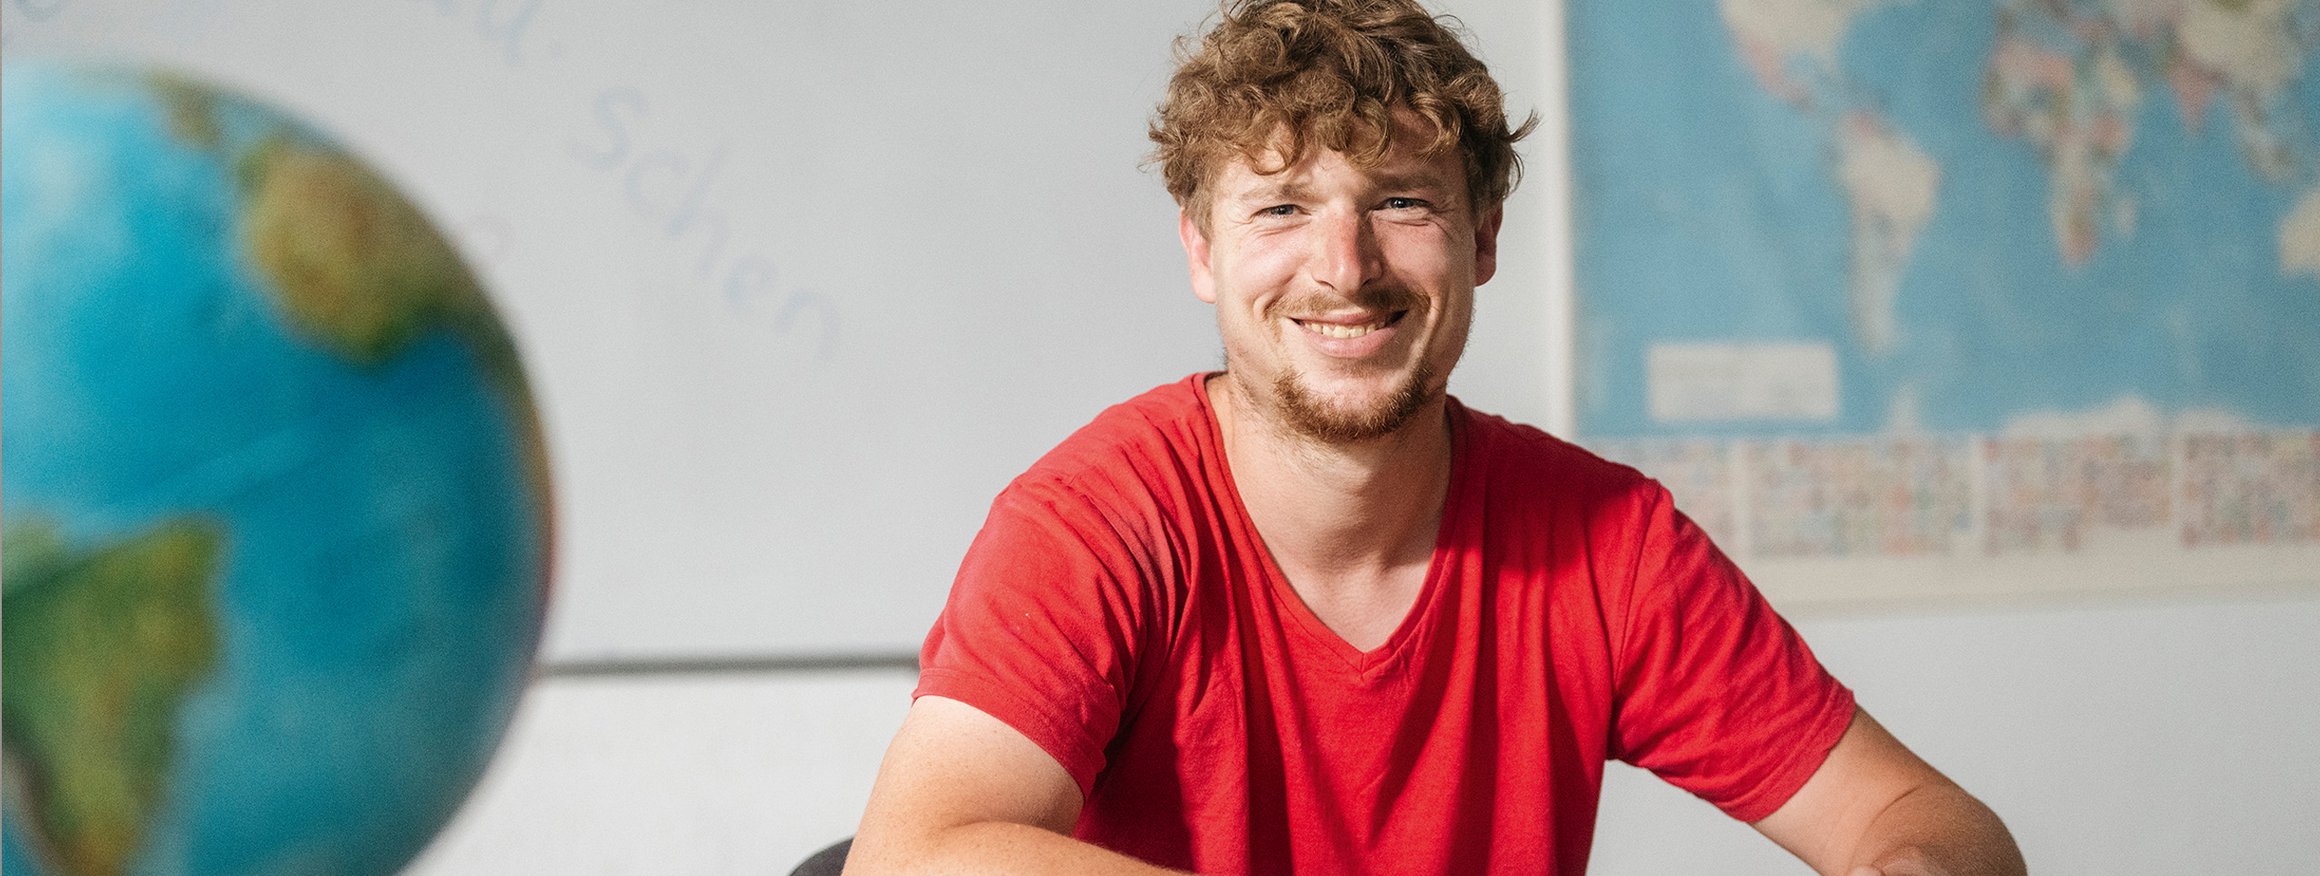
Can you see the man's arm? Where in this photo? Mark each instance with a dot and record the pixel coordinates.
(962, 792)
(1873, 807)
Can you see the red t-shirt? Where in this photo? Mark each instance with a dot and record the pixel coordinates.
(1120, 610)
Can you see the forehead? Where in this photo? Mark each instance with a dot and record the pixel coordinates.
(1239, 176)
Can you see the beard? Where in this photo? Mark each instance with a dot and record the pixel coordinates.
(1312, 417)
(1297, 409)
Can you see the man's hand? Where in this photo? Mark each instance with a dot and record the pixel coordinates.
(962, 792)
(1875, 809)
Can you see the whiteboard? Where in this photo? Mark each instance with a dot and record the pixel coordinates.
(800, 286)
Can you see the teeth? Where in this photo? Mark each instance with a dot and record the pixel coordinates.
(1334, 330)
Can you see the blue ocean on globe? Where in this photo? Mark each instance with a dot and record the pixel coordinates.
(276, 499)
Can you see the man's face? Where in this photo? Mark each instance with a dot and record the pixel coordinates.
(1343, 293)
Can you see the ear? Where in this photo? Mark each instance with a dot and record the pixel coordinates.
(1196, 256)
(1486, 244)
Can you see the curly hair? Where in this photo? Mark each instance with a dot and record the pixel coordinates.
(1285, 75)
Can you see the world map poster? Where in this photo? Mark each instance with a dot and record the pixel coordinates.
(1958, 298)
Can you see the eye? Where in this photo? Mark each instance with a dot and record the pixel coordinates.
(1398, 203)
(1279, 210)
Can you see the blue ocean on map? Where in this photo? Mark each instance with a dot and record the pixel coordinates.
(1985, 211)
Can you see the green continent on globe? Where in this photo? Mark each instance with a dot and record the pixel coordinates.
(102, 648)
(192, 109)
(354, 266)
(358, 268)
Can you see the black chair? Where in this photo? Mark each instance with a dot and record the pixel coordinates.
(827, 862)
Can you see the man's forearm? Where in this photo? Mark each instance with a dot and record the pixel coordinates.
(1937, 830)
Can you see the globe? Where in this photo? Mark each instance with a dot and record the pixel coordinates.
(276, 506)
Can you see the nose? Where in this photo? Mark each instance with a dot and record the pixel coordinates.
(1345, 254)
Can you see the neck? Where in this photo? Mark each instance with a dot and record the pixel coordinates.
(1335, 513)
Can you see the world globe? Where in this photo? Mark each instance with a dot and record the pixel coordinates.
(276, 503)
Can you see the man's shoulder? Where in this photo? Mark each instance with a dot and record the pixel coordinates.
(1520, 453)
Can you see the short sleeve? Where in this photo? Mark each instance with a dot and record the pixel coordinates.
(1714, 691)
(1040, 630)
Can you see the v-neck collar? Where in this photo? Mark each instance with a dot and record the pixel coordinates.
(1370, 665)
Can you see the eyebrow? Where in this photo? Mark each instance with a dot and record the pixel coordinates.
(1275, 191)
(1420, 180)
(1289, 190)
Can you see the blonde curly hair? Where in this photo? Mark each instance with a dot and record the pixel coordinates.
(1282, 76)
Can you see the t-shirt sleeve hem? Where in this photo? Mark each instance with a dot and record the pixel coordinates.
(1060, 738)
(1803, 760)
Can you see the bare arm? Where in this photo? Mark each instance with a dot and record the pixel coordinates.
(962, 792)
(1875, 808)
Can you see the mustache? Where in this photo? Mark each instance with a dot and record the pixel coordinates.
(1385, 298)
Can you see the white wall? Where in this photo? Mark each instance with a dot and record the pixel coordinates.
(720, 773)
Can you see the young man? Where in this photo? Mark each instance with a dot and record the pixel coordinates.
(1310, 614)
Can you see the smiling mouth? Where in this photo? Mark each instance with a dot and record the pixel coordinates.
(1344, 331)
